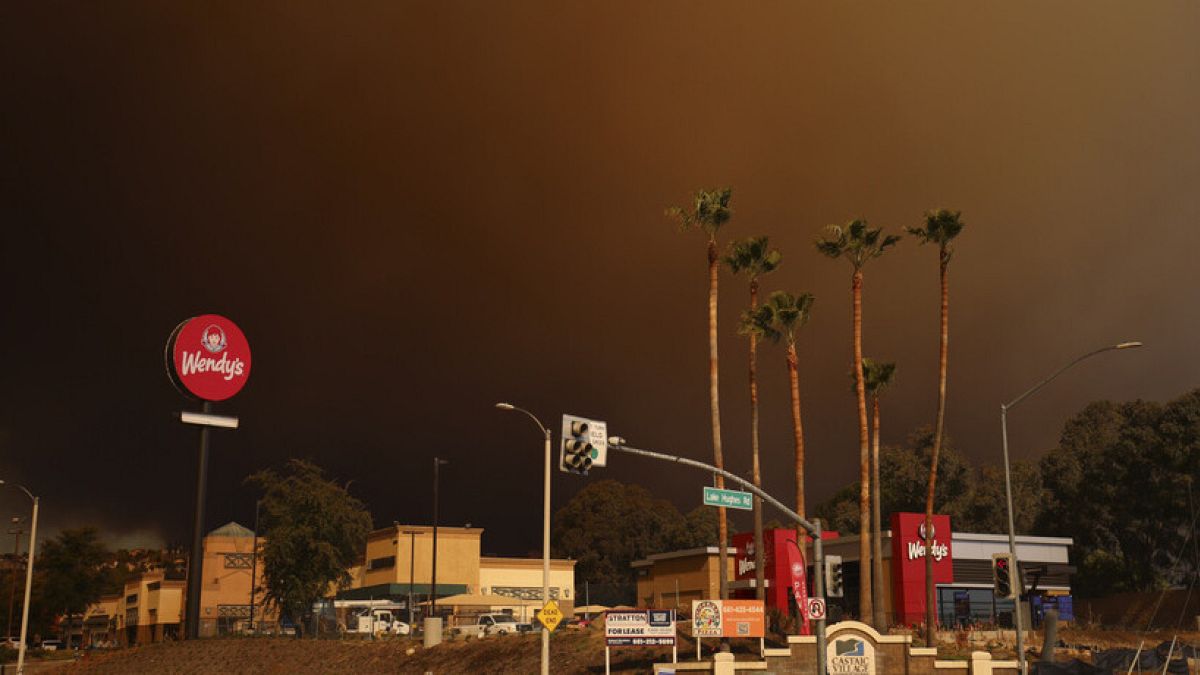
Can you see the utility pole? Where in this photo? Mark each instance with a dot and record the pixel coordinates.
(412, 566)
(16, 559)
(254, 564)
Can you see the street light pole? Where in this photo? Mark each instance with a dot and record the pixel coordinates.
(432, 623)
(545, 529)
(412, 566)
(1012, 536)
(28, 578)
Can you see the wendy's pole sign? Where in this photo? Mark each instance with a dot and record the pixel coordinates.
(208, 359)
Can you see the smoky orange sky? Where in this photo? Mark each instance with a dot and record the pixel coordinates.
(417, 209)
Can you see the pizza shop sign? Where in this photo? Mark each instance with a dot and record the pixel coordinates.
(208, 358)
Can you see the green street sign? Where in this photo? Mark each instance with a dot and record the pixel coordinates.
(732, 499)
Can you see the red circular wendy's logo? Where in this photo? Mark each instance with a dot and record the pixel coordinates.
(208, 358)
(921, 531)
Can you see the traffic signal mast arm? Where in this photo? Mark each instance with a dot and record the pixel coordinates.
(814, 529)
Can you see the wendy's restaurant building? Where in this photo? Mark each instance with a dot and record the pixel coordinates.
(962, 572)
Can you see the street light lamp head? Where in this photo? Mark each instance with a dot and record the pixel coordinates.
(1128, 345)
(505, 406)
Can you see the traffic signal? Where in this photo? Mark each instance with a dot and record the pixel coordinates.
(835, 582)
(584, 444)
(1003, 576)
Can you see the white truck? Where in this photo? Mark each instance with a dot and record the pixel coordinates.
(377, 619)
(489, 624)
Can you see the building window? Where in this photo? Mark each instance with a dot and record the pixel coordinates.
(238, 561)
(131, 599)
(381, 563)
(154, 586)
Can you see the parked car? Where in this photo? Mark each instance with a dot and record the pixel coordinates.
(51, 645)
(12, 642)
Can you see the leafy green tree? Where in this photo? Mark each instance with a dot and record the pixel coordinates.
(987, 511)
(72, 573)
(940, 228)
(1121, 483)
(902, 484)
(857, 243)
(709, 211)
(609, 524)
(315, 531)
(701, 529)
(754, 257)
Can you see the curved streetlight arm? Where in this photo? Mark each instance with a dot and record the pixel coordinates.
(509, 406)
(1060, 371)
(22, 488)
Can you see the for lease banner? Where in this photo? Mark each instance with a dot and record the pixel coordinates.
(640, 628)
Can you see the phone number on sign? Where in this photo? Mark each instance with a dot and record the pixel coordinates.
(641, 642)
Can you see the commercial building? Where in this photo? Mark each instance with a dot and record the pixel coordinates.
(230, 565)
(399, 561)
(962, 573)
(673, 579)
(150, 608)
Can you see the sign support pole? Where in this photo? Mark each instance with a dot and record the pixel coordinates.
(196, 560)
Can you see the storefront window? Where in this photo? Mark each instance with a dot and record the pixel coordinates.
(961, 607)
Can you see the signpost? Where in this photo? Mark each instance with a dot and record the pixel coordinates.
(639, 628)
(814, 609)
(732, 499)
(550, 616)
(207, 358)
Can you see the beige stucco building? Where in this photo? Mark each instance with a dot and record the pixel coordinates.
(152, 605)
(400, 558)
(674, 579)
(229, 567)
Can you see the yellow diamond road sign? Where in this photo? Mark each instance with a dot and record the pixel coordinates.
(550, 616)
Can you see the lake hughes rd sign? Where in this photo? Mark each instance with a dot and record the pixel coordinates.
(208, 358)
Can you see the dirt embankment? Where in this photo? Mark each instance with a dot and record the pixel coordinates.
(572, 652)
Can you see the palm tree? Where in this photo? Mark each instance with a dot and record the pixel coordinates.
(781, 317)
(754, 257)
(859, 244)
(877, 376)
(710, 210)
(941, 227)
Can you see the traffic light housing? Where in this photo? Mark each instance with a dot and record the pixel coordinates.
(835, 581)
(584, 444)
(1004, 576)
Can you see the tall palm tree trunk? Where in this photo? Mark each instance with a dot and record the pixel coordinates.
(930, 586)
(798, 440)
(881, 619)
(756, 473)
(714, 400)
(797, 426)
(865, 608)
